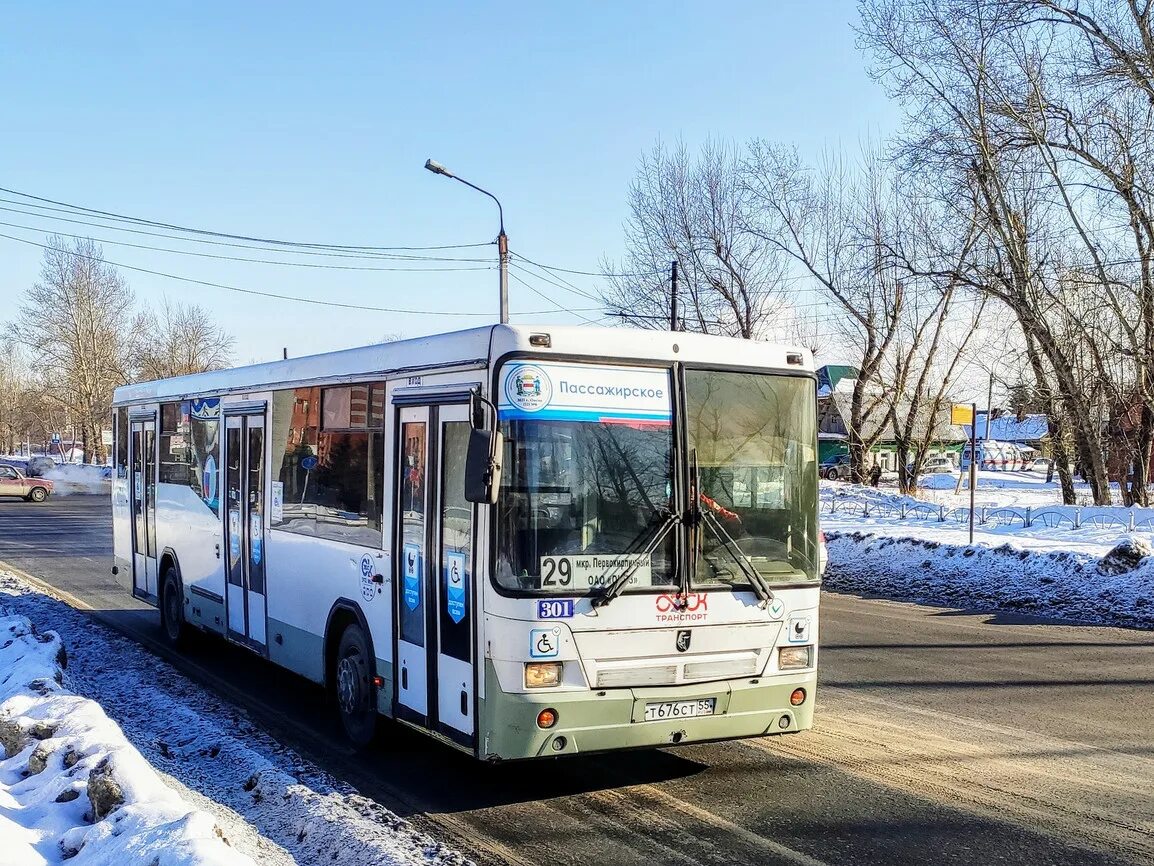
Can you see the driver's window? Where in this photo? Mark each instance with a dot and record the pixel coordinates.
(7, 472)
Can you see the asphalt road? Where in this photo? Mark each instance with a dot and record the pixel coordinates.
(943, 736)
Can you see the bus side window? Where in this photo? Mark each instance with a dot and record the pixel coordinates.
(122, 443)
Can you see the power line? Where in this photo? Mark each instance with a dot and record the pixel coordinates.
(244, 259)
(551, 300)
(273, 295)
(209, 233)
(566, 287)
(580, 273)
(293, 251)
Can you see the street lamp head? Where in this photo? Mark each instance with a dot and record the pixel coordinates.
(436, 168)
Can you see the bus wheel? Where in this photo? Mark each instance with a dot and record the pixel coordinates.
(353, 689)
(172, 608)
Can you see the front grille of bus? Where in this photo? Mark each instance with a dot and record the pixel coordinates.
(639, 673)
(723, 669)
(653, 675)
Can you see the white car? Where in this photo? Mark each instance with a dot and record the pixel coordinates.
(938, 464)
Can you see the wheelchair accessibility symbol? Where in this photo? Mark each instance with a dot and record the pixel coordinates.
(544, 643)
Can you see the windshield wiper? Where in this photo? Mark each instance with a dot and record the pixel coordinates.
(635, 557)
(760, 587)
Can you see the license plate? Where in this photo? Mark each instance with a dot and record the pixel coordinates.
(679, 709)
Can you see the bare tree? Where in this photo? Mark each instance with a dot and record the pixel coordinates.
(13, 389)
(74, 323)
(692, 211)
(834, 226)
(178, 340)
(950, 63)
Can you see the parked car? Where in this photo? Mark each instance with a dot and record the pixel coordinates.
(1038, 464)
(835, 468)
(938, 464)
(13, 482)
(40, 466)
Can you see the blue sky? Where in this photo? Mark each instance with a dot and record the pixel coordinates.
(312, 123)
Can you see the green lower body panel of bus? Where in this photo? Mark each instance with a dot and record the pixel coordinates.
(606, 719)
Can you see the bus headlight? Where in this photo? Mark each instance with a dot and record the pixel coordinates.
(542, 675)
(794, 657)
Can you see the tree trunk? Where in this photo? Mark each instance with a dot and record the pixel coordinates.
(905, 484)
(1138, 491)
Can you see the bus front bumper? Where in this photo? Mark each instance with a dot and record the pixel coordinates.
(609, 719)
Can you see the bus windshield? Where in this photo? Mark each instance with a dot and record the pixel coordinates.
(587, 489)
(587, 477)
(754, 439)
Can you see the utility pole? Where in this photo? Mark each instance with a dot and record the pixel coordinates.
(503, 251)
(974, 461)
(989, 405)
(673, 297)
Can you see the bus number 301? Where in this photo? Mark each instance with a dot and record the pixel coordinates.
(557, 572)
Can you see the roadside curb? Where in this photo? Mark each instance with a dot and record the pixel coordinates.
(48, 589)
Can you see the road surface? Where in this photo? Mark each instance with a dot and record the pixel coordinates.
(943, 736)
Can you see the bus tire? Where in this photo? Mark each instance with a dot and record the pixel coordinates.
(352, 678)
(172, 608)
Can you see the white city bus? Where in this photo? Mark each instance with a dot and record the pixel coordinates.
(524, 541)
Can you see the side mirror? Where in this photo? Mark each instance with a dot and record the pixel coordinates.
(483, 466)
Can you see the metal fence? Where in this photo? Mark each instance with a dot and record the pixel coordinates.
(1050, 516)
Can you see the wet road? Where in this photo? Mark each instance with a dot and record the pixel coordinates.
(943, 736)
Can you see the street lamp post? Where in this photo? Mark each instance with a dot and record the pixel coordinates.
(502, 239)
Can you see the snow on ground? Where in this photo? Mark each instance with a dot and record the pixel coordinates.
(71, 787)
(1051, 570)
(995, 489)
(270, 803)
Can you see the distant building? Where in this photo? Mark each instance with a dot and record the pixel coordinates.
(835, 384)
(1028, 431)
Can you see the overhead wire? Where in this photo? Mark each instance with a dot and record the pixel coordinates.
(112, 215)
(541, 294)
(274, 295)
(255, 261)
(287, 251)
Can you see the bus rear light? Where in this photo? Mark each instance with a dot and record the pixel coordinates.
(542, 675)
(794, 657)
(798, 697)
(546, 718)
(379, 682)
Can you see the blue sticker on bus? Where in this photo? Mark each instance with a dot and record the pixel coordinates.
(559, 608)
(411, 569)
(544, 643)
(456, 575)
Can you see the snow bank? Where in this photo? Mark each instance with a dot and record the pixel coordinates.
(72, 478)
(1115, 589)
(272, 803)
(71, 786)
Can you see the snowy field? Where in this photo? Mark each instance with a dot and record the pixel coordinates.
(193, 770)
(1060, 565)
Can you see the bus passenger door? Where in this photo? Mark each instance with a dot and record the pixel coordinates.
(142, 498)
(455, 597)
(412, 582)
(244, 449)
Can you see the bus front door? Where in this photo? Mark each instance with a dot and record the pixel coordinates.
(244, 452)
(435, 595)
(142, 490)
